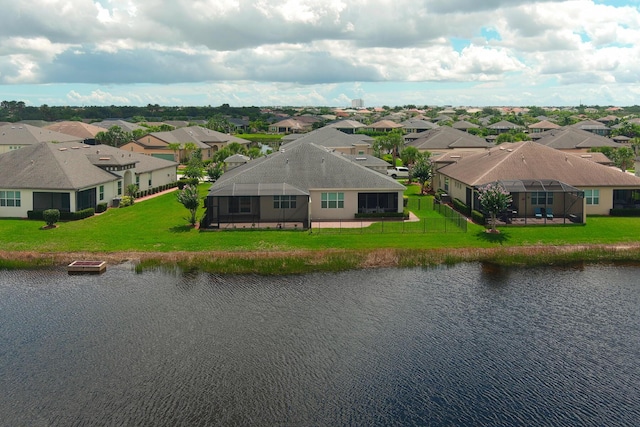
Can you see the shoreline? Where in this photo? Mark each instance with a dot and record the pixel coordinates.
(332, 260)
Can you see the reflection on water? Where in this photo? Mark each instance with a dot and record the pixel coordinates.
(470, 344)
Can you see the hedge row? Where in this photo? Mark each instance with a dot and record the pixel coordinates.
(461, 207)
(624, 212)
(382, 215)
(154, 190)
(64, 216)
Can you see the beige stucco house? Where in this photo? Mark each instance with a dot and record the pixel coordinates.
(603, 187)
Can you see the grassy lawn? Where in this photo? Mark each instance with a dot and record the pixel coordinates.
(160, 225)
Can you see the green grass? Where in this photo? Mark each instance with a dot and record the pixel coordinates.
(160, 225)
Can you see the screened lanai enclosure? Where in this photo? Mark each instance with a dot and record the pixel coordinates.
(257, 205)
(540, 202)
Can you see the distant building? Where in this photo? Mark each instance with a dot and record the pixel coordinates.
(357, 103)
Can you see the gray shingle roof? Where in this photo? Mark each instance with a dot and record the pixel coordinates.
(48, 166)
(198, 135)
(68, 166)
(574, 138)
(308, 167)
(23, 134)
(331, 138)
(533, 161)
(445, 137)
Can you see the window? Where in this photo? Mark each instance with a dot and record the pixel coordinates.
(541, 198)
(592, 196)
(240, 205)
(284, 202)
(138, 181)
(446, 184)
(332, 201)
(150, 182)
(102, 192)
(119, 188)
(10, 198)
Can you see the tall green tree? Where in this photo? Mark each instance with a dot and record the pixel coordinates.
(190, 199)
(409, 155)
(114, 136)
(422, 171)
(494, 198)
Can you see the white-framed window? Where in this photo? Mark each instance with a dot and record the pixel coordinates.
(446, 184)
(101, 191)
(10, 198)
(332, 201)
(284, 202)
(542, 198)
(592, 196)
(119, 188)
(138, 181)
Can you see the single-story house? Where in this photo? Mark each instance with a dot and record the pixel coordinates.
(417, 125)
(16, 135)
(549, 178)
(504, 126)
(75, 128)
(335, 140)
(574, 140)
(74, 176)
(235, 160)
(542, 126)
(445, 138)
(208, 141)
(346, 126)
(301, 183)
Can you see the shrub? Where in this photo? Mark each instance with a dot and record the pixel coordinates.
(181, 183)
(461, 207)
(478, 217)
(51, 216)
(126, 201)
(624, 212)
(101, 207)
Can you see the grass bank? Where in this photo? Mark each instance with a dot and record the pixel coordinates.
(156, 232)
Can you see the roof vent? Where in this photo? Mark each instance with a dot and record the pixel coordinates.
(62, 148)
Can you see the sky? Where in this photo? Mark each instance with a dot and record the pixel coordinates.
(320, 52)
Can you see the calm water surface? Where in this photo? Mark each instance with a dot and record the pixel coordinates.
(464, 345)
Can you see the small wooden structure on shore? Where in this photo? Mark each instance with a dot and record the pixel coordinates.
(95, 267)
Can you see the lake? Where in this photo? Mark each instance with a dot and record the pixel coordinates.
(464, 345)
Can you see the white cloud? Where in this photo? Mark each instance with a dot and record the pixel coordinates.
(319, 42)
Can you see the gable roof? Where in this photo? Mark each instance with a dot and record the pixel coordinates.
(22, 134)
(530, 160)
(463, 124)
(574, 138)
(331, 138)
(544, 124)
(78, 129)
(346, 124)
(47, 166)
(504, 124)
(307, 167)
(122, 124)
(69, 166)
(446, 137)
(196, 134)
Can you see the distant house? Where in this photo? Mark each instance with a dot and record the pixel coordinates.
(300, 184)
(347, 126)
(384, 126)
(15, 136)
(122, 124)
(574, 139)
(80, 130)
(73, 176)
(463, 125)
(298, 124)
(335, 140)
(547, 178)
(542, 126)
(157, 144)
(445, 138)
(592, 126)
(504, 126)
(417, 125)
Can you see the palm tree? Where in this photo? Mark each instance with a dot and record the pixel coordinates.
(175, 147)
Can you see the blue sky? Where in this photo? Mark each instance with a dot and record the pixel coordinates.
(320, 52)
